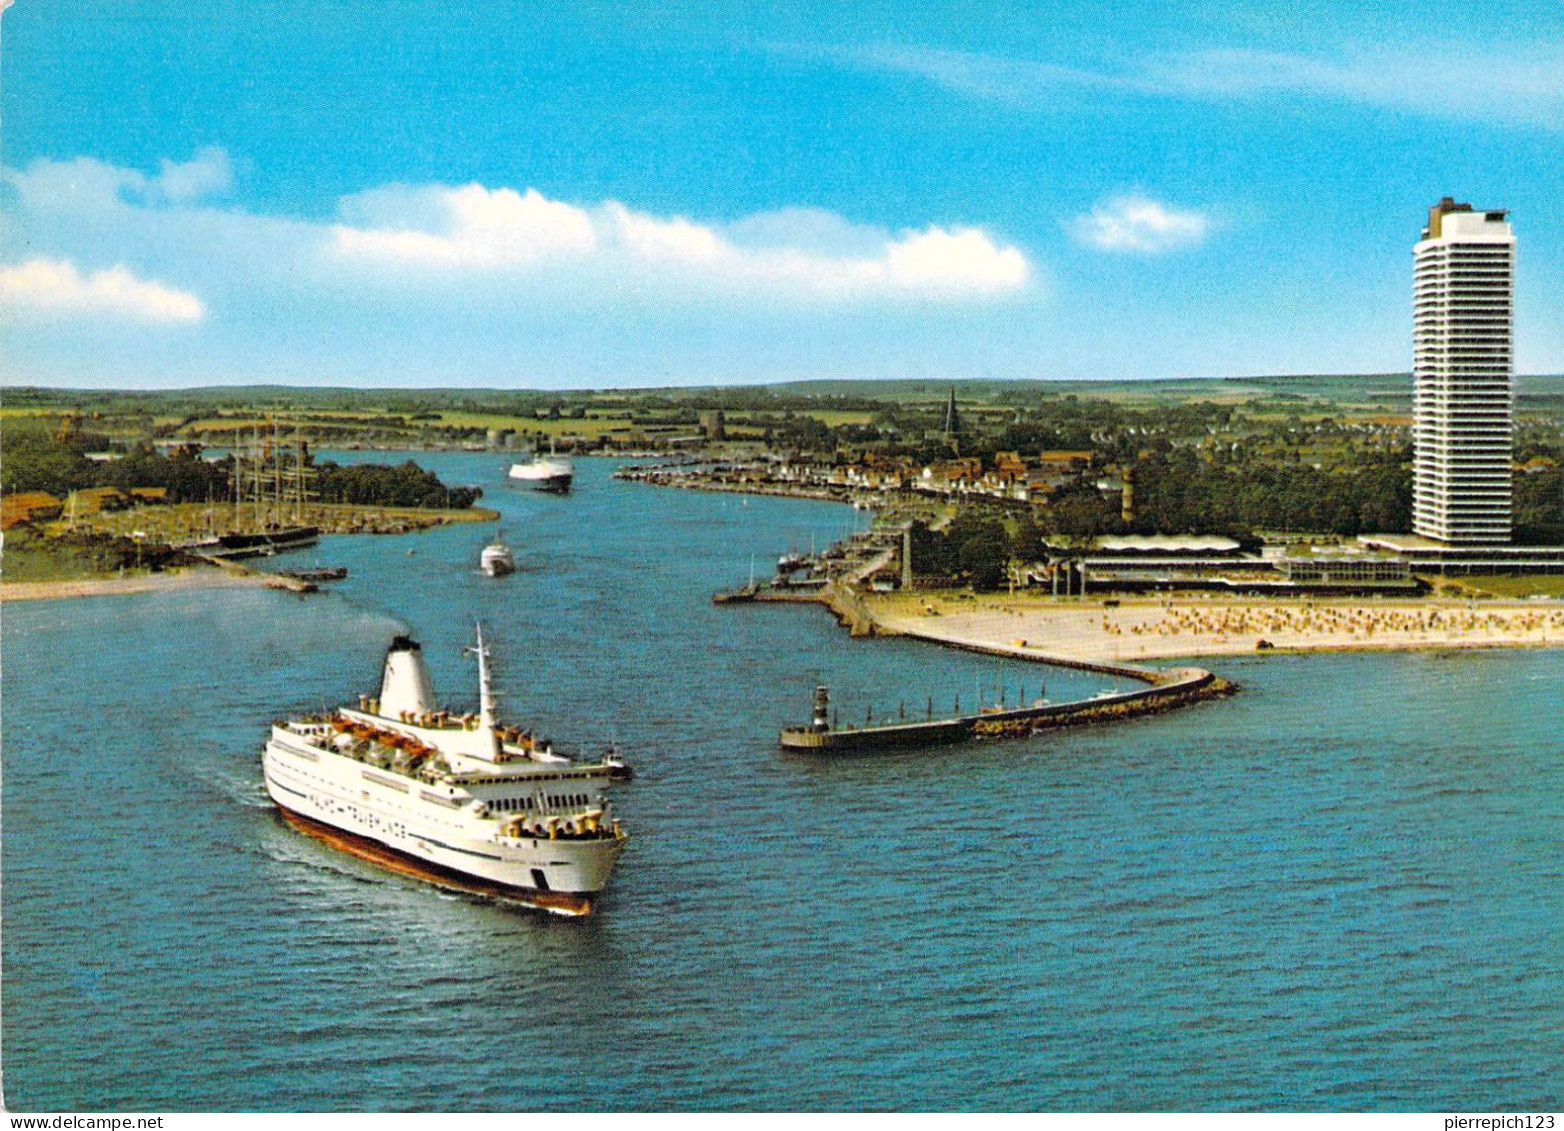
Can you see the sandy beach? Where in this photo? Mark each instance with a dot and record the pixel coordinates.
(192, 577)
(1159, 629)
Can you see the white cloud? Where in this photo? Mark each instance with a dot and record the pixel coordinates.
(56, 286)
(468, 283)
(1517, 87)
(958, 259)
(181, 182)
(481, 228)
(87, 185)
(1138, 224)
(670, 241)
(1435, 82)
(477, 245)
(795, 252)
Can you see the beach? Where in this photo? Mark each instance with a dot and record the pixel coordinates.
(1132, 630)
(189, 577)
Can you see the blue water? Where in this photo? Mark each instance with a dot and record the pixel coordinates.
(1341, 889)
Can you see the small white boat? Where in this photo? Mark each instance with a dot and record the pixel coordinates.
(497, 559)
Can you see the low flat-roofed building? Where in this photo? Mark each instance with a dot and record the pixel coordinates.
(1154, 572)
(1346, 569)
(1055, 460)
(1430, 556)
(1167, 544)
(1214, 562)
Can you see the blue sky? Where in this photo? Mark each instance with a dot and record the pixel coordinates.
(559, 195)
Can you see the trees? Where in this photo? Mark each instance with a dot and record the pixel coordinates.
(186, 477)
(1178, 492)
(1026, 541)
(1539, 506)
(982, 549)
(1078, 510)
(973, 547)
(34, 462)
(377, 484)
(931, 552)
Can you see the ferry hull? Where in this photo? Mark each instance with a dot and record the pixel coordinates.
(556, 484)
(549, 473)
(558, 903)
(363, 806)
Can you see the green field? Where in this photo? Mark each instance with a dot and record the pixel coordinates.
(29, 556)
(1526, 585)
(591, 426)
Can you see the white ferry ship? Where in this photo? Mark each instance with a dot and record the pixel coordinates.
(459, 800)
(545, 473)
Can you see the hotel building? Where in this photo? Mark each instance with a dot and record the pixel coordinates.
(1462, 366)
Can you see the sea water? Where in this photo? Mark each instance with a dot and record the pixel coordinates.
(1340, 889)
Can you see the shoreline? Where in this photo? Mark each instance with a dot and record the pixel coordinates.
(182, 522)
(183, 578)
(1132, 630)
(818, 494)
(333, 519)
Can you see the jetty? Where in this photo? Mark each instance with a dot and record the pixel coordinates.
(316, 574)
(1168, 689)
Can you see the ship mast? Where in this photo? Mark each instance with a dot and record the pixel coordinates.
(485, 685)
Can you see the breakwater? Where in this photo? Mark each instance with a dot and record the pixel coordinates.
(1165, 690)
(1170, 690)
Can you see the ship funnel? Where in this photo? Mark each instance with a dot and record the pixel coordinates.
(405, 687)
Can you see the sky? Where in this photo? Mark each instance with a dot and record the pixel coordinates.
(559, 195)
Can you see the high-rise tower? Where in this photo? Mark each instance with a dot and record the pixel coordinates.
(1461, 365)
(952, 420)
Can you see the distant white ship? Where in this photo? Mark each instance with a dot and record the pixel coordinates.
(545, 473)
(497, 559)
(456, 799)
